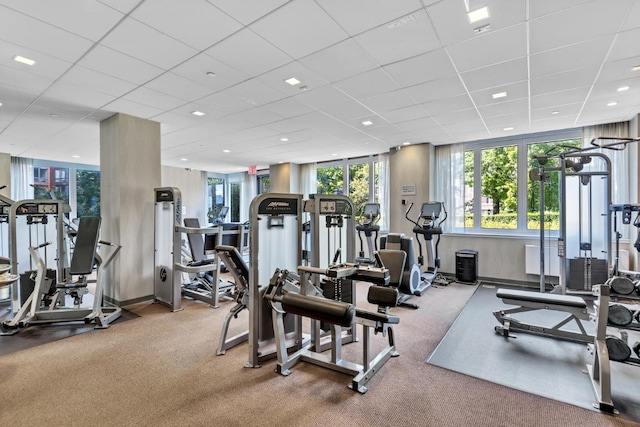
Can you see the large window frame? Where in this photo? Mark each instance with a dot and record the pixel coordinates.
(521, 142)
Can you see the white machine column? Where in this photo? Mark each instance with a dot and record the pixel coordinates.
(129, 173)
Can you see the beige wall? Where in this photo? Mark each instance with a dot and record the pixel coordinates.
(5, 174)
(284, 178)
(129, 171)
(193, 188)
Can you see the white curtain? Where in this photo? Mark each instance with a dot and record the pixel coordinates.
(383, 195)
(249, 192)
(21, 178)
(308, 179)
(450, 183)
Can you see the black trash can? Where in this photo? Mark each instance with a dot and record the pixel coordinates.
(467, 266)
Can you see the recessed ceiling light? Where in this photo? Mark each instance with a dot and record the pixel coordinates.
(623, 88)
(184, 159)
(334, 154)
(507, 129)
(211, 74)
(0, 104)
(226, 151)
(54, 115)
(367, 123)
(23, 60)
(478, 14)
(612, 104)
(636, 68)
(499, 95)
(292, 81)
(406, 143)
(75, 156)
(555, 112)
(284, 139)
(197, 113)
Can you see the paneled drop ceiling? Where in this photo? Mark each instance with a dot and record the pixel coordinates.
(372, 74)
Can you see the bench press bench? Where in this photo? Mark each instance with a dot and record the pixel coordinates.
(525, 301)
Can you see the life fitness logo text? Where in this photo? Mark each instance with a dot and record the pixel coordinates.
(278, 206)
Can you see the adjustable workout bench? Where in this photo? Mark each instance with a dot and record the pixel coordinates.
(337, 314)
(575, 307)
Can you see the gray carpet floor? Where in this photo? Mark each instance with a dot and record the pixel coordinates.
(543, 366)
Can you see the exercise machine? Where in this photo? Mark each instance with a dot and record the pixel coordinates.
(338, 315)
(370, 228)
(49, 301)
(170, 264)
(428, 225)
(574, 307)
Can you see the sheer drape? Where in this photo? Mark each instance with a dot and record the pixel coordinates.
(249, 192)
(308, 179)
(21, 178)
(450, 183)
(382, 189)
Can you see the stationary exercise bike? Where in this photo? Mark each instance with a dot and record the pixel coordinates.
(427, 226)
(370, 228)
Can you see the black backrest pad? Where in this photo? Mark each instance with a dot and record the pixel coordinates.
(394, 260)
(236, 258)
(84, 252)
(383, 296)
(196, 241)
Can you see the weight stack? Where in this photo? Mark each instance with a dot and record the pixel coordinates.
(467, 266)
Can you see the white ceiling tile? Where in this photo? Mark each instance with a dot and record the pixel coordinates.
(586, 23)
(422, 68)
(340, 61)
(554, 61)
(456, 117)
(448, 105)
(288, 107)
(490, 48)
(436, 89)
(520, 106)
(247, 13)
(389, 101)
(609, 89)
(124, 67)
(299, 28)
(308, 79)
(388, 45)
(367, 84)
(257, 117)
(541, 8)
(350, 111)
(76, 95)
(255, 92)
(224, 102)
(571, 96)
(561, 81)
(625, 45)
(194, 22)
(514, 120)
(147, 44)
(249, 53)
(124, 6)
(324, 97)
(253, 133)
(173, 121)
(152, 98)
(452, 25)
(404, 114)
(39, 36)
(179, 87)
(90, 18)
(196, 69)
(131, 108)
(356, 16)
(514, 91)
(496, 75)
(633, 17)
(97, 81)
(619, 70)
(417, 124)
(567, 110)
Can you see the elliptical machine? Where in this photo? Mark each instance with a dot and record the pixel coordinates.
(428, 226)
(370, 228)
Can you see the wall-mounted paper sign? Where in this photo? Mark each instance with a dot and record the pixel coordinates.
(408, 189)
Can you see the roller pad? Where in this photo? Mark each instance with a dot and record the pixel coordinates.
(336, 312)
(384, 296)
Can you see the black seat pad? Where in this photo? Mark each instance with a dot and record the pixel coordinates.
(566, 300)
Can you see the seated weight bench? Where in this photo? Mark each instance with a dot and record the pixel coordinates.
(337, 314)
(525, 301)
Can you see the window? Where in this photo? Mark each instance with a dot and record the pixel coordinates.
(263, 183)
(51, 182)
(215, 191)
(487, 183)
(88, 192)
(235, 201)
(361, 185)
